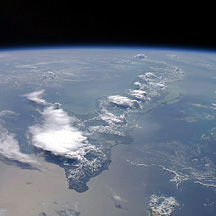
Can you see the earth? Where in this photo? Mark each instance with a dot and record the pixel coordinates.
(107, 131)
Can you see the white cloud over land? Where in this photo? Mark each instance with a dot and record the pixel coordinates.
(139, 94)
(121, 101)
(56, 134)
(162, 205)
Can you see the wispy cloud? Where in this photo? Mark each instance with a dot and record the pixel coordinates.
(9, 148)
(36, 97)
(6, 113)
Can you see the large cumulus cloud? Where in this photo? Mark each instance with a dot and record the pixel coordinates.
(56, 133)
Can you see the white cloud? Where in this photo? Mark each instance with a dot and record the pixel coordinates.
(57, 135)
(118, 198)
(9, 148)
(113, 123)
(141, 85)
(141, 56)
(163, 205)
(139, 94)
(6, 112)
(36, 96)
(122, 101)
(148, 77)
(110, 118)
(119, 202)
(106, 129)
(150, 85)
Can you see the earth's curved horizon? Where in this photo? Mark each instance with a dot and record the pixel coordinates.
(108, 130)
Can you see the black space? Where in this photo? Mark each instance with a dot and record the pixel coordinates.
(35, 23)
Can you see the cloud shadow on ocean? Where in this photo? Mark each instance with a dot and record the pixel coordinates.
(17, 163)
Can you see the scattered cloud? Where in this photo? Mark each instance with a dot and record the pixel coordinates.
(162, 205)
(149, 86)
(106, 129)
(110, 118)
(122, 101)
(139, 94)
(148, 76)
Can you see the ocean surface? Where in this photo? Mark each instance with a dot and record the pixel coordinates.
(141, 123)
